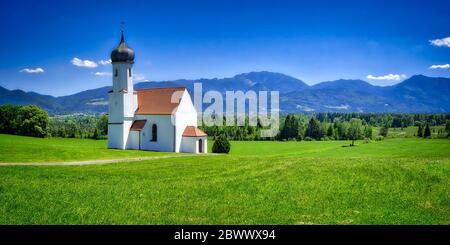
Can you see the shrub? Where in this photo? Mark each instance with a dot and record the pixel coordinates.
(307, 138)
(221, 145)
(427, 132)
(384, 131)
(379, 138)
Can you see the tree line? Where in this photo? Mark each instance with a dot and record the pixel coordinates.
(336, 126)
(79, 126)
(31, 120)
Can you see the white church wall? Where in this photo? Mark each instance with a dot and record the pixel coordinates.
(191, 144)
(165, 139)
(118, 134)
(133, 140)
(115, 136)
(186, 115)
(115, 107)
(125, 132)
(129, 106)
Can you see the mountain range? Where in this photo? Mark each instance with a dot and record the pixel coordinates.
(418, 94)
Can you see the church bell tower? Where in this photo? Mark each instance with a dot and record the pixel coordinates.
(122, 99)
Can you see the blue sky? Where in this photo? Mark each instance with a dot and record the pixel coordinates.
(311, 41)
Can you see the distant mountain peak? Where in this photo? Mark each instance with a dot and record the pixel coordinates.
(416, 94)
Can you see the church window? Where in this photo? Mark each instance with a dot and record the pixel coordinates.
(129, 72)
(154, 133)
(116, 72)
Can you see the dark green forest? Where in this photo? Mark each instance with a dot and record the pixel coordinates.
(339, 126)
(32, 120)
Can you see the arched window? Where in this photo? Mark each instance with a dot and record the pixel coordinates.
(129, 72)
(116, 73)
(154, 133)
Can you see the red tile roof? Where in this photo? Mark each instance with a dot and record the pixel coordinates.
(191, 131)
(157, 101)
(138, 125)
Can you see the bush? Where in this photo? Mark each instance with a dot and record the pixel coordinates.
(307, 138)
(379, 138)
(384, 131)
(221, 145)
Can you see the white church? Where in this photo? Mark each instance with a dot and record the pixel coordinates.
(157, 119)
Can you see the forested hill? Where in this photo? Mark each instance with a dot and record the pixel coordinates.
(418, 94)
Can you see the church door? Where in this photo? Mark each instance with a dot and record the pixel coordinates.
(200, 145)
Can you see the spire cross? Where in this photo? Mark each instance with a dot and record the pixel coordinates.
(122, 28)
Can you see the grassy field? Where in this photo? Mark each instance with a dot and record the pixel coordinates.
(27, 149)
(394, 181)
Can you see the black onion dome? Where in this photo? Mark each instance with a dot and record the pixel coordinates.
(122, 53)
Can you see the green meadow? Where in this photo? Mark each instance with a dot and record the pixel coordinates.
(27, 149)
(393, 181)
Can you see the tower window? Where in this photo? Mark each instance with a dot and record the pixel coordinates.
(129, 72)
(116, 73)
(154, 133)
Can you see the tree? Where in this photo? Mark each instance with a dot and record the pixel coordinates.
(8, 118)
(221, 145)
(33, 121)
(330, 131)
(314, 129)
(368, 131)
(341, 130)
(290, 129)
(102, 125)
(447, 128)
(354, 130)
(396, 123)
(96, 134)
(384, 130)
(427, 131)
(420, 131)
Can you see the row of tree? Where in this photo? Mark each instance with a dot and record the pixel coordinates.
(295, 129)
(79, 126)
(29, 120)
(335, 126)
(393, 120)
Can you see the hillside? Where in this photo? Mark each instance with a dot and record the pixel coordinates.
(418, 94)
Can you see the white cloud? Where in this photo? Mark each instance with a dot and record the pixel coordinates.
(105, 62)
(31, 70)
(106, 74)
(446, 66)
(391, 77)
(139, 78)
(84, 63)
(441, 42)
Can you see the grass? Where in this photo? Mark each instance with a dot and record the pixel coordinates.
(27, 149)
(395, 181)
